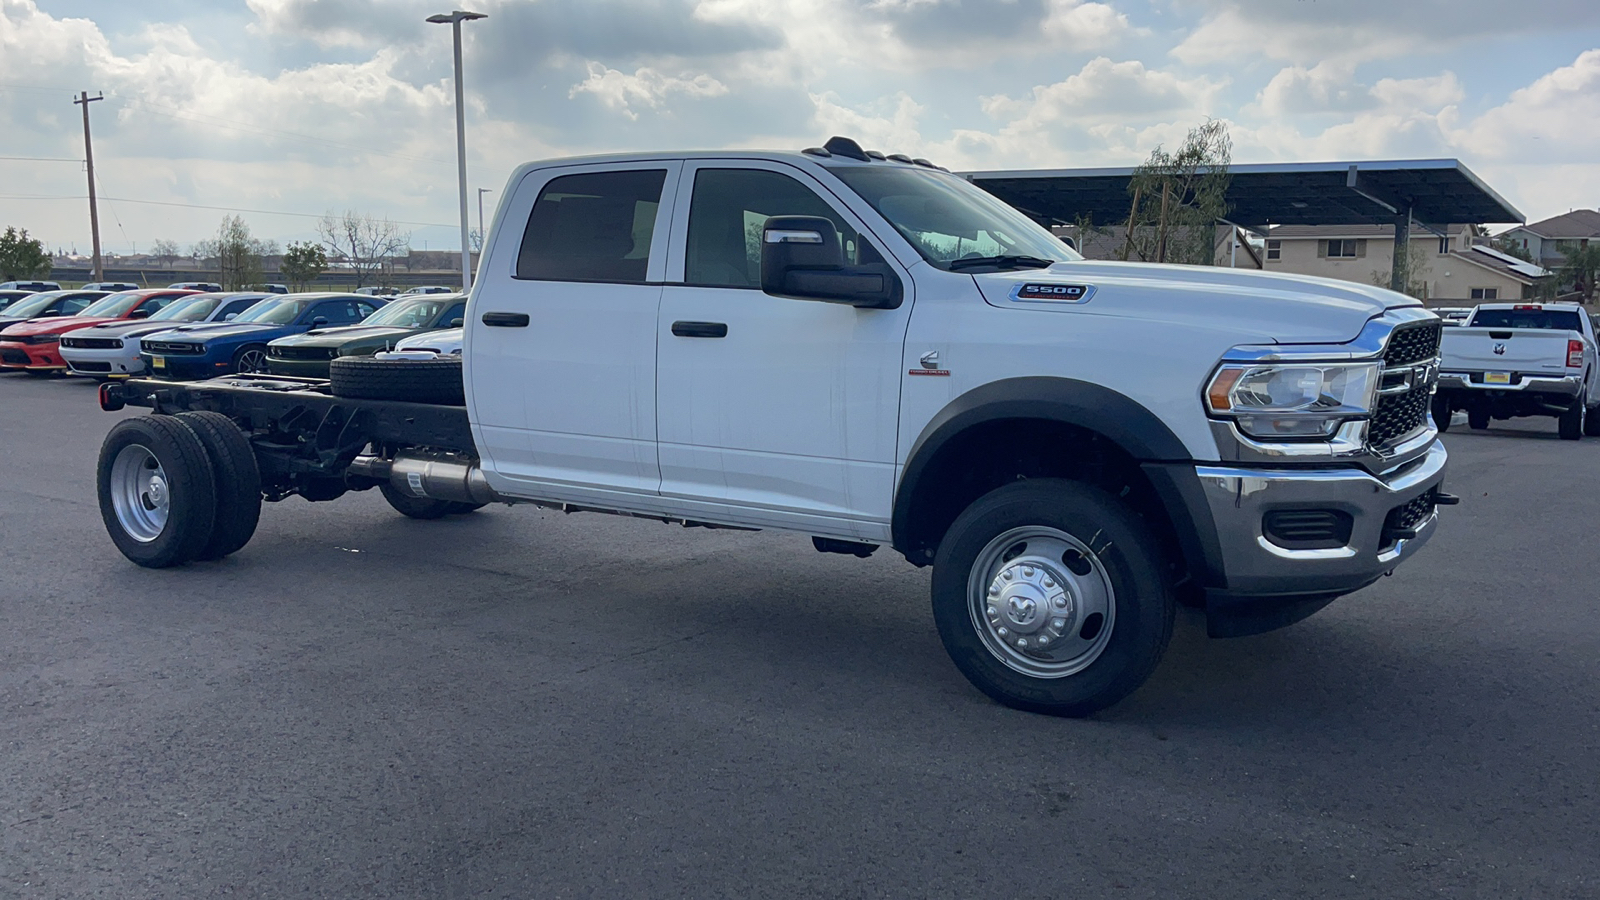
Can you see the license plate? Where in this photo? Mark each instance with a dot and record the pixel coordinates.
(158, 362)
(1497, 378)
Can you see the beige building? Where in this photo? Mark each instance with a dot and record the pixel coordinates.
(1449, 268)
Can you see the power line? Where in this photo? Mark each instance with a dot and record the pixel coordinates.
(236, 209)
(42, 159)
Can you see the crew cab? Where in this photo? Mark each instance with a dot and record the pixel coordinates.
(866, 350)
(112, 348)
(1522, 359)
(240, 345)
(35, 345)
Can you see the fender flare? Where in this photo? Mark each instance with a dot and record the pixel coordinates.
(1122, 420)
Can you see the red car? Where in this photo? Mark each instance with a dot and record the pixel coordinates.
(35, 345)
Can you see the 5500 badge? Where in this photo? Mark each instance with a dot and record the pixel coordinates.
(1046, 292)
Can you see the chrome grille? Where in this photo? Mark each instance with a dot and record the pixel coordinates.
(1398, 416)
(1413, 344)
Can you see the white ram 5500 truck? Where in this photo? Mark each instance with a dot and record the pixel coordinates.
(868, 351)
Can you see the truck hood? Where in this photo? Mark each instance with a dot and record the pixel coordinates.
(55, 324)
(1262, 307)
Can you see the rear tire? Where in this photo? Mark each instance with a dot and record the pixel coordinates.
(238, 481)
(414, 380)
(1477, 420)
(1591, 424)
(1441, 414)
(157, 491)
(1077, 577)
(1573, 423)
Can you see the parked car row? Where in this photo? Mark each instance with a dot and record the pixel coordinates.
(179, 333)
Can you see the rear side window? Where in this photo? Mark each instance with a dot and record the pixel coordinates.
(458, 311)
(1557, 319)
(236, 307)
(592, 227)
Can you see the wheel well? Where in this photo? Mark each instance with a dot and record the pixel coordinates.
(991, 454)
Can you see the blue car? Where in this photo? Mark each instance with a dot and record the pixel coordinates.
(205, 351)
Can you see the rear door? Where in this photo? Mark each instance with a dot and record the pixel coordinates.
(560, 336)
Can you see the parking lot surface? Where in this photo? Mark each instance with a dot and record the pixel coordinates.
(519, 703)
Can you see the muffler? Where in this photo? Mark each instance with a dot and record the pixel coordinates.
(441, 477)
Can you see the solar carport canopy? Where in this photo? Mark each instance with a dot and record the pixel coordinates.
(1435, 191)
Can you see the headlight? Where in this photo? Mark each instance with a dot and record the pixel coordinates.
(1292, 400)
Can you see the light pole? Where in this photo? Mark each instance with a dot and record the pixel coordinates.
(455, 19)
(482, 235)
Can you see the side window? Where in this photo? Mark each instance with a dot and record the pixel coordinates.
(726, 214)
(456, 311)
(363, 309)
(592, 227)
(154, 304)
(337, 312)
(234, 308)
(74, 305)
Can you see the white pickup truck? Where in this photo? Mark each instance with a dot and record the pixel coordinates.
(1522, 359)
(866, 350)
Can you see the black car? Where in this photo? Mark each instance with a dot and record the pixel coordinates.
(10, 296)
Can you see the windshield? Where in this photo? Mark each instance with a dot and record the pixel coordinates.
(947, 218)
(1557, 319)
(29, 307)
(113, 306)
(279, 311)
(187, 309)
(418, 313)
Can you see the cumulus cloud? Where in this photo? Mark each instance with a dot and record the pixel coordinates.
(645, 87)
(1555, 119)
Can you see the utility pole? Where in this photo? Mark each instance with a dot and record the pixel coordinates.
(88, 155)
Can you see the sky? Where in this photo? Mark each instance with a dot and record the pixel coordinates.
(285, 110)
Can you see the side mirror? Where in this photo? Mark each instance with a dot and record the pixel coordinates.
(53, 312)
(801, 259)
(230, 317)
(139, 314)
(456, 323)
(319, 321)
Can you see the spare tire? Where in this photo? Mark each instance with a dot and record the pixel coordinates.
(416, 380)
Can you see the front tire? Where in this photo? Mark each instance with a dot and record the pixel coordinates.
(1477, 420)
(1049, 598)
(1591, 424)
(157, 491)
(251, 360)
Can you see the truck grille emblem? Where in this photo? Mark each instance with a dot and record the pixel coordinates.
(1499, 349)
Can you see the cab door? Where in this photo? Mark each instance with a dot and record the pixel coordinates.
(781, 412)
(560, 333)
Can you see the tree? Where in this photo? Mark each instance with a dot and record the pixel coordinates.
(366, 244)
(1178, 198)
(22, 256)
(475, 240)
(237, 253)
(1581, 268)
(1413, 259)
(1505, 244)
(165, 252)
(302, 263)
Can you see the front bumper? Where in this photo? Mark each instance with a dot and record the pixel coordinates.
(1567, 386)
(32, 357)
(1238, 500)
(100, 362)
(184, 368)
(300, 368)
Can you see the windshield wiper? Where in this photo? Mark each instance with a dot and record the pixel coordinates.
(1001, 262)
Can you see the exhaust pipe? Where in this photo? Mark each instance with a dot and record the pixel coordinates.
(433, 477)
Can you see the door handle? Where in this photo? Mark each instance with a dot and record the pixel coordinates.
(505, 320)
(700, 329)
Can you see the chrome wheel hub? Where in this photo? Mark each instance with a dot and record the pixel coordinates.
(1041, 602)
(140, 495)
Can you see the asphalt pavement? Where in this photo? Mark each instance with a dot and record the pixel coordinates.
(520, 703)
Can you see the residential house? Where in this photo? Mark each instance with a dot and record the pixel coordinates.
(1542, 240)
(1234, 247)
(1455, 266)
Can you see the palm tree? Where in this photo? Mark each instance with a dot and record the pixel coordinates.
(1581, 268)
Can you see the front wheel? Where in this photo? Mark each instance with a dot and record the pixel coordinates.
(1477, 420)
(1049, 598)
(251, 360)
